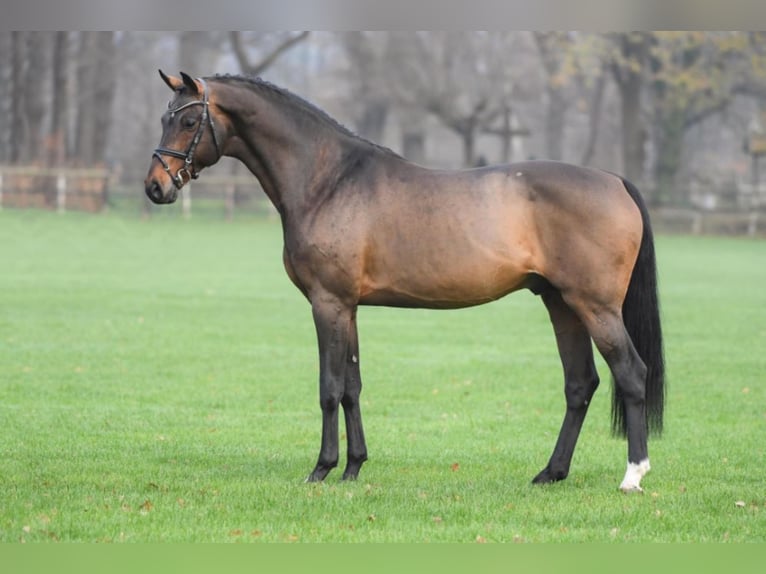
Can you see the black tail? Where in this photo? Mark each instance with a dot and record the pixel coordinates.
(641, 315)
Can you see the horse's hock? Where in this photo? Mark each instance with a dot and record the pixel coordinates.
(61, 189)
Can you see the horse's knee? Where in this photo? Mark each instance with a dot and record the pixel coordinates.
(350, 399)
(329, 402)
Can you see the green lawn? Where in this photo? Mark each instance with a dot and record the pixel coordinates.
(158, 382)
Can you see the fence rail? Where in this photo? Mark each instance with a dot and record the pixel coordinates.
(91, 189)
(58, 188)
(709, 222)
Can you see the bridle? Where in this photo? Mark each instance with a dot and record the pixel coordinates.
(188, 170)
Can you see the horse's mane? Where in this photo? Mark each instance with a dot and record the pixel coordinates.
(275, 92)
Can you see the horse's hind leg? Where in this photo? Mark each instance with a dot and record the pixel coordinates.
(580, 382)
(357, 448)
(607, 329)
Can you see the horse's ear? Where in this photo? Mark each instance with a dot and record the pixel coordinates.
(190, 83)
(172, 82)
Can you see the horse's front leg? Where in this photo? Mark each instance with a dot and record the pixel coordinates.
(357, 448)
(332, 320)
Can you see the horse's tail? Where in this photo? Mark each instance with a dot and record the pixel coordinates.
(641, 315)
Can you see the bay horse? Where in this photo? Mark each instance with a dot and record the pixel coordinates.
(363, 226)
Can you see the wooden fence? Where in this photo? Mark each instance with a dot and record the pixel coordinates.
(90, 189)
(709, 222)
(60, 189)
(235, 192)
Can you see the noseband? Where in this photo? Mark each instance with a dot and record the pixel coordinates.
(188, 156)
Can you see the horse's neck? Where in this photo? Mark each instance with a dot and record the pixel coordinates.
(289, 159)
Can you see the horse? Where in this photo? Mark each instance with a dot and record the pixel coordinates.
(364, 226)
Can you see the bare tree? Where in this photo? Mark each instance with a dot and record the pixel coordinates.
(19, 128)
(270, 47)
(95, 94)
(60, 99)
(457, 77)
(369, 98)
(628, 57)
(198, 51)
(6, 94)
(555, 50)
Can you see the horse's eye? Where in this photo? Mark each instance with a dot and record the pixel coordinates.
(189, 122)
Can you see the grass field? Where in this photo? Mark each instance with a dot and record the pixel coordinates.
(158, 383)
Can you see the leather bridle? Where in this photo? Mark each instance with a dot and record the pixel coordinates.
(188, 156)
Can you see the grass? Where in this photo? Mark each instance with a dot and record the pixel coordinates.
(158, 383)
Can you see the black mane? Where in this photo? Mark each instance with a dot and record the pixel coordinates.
(279, 93)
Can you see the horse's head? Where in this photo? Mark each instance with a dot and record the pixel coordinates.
(189, 139)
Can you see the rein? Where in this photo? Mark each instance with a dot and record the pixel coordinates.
(188, 156)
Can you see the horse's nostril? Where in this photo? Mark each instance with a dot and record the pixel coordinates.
(154, 191)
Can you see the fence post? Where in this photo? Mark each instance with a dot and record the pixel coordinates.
(697, 223)
(61, 193)
(186, 201)
(1, 190)
(229, 196)
(752, 224)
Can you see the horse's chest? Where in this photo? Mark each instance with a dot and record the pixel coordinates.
(315, 264)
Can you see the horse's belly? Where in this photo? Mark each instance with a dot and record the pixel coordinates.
(443, 284)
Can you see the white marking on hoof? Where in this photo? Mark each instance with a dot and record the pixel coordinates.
(633, 476)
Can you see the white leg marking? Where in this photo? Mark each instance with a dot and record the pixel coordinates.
(633, 476)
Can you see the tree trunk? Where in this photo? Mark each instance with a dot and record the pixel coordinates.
(95, 91)
(368, 92)
(551, 46)
(669, 144)
(633, 133)
(372, 123)
(413, 135)
(554, 124)
(60, 104)
(104, 89)
(18, 109)
(6, 94)
(34, 95)
(198, 52)
(628, 73)
(594, 120)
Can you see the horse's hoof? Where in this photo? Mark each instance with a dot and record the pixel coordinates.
(352, 469)
(547, 477)
(633, 475)
(318, 474)
(631, 489)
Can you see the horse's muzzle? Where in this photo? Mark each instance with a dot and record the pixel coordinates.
(155, 192)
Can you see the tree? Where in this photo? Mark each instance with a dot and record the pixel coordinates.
(270, 47)
(461, 79)
(627, 57)
(58, 138)
(369, 98)
(556, 57)
(198, 51)
(96, 80)
(6, 94)
(695, 75)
